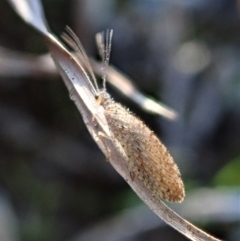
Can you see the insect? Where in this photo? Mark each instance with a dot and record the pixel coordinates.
(146, 157)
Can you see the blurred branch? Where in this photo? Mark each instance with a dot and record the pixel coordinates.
(128, 224)
(15, 64)
(117, 79)
(8, 221)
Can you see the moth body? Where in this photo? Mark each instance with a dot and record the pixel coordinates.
(146, 157)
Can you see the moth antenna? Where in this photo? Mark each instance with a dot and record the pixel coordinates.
(104, 44)
(72, 40)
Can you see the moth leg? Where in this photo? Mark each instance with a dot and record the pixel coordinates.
(108, 152)
(132, 175)
(92, 119)
(116, 144)
(99, 100)
(104, 135)
(89, 122)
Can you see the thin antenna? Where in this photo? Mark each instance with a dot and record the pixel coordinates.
(104, 44)
(72, 40)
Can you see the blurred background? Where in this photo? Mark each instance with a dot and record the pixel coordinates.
(55, 183)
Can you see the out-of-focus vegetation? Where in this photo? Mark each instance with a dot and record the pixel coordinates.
(55, 182)
(229, 174)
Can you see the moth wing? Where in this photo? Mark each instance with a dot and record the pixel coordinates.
(157, 165)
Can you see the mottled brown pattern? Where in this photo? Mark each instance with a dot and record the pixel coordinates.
(146, 157)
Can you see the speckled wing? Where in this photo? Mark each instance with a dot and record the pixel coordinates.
(146, 157)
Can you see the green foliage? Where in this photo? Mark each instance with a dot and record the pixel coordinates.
(229, 175)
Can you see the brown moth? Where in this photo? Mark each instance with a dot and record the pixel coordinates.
(146, 157)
